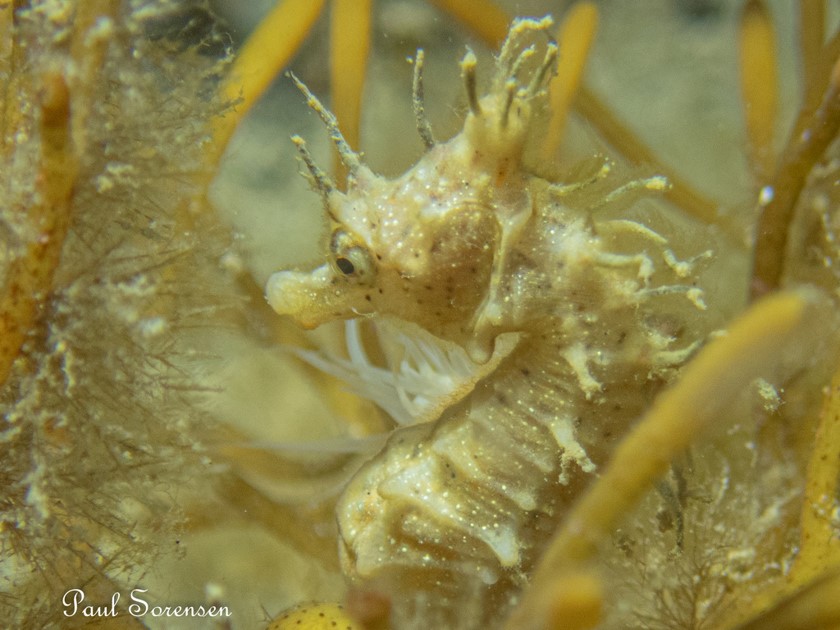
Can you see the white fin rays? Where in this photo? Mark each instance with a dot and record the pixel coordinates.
(423, 376)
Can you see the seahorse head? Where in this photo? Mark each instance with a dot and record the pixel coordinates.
(424, 247)
(418, 248)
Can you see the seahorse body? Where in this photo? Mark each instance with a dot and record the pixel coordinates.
(450, 517)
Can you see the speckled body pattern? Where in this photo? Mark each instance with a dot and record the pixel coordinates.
(472, 246)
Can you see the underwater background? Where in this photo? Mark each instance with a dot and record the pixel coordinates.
(157, 430)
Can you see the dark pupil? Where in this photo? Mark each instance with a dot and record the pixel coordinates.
(345, 266)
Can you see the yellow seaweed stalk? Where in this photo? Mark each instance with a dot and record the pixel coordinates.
(813, 131)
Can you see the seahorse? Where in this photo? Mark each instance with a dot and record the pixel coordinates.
(583, 313)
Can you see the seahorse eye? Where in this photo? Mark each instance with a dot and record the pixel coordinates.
(345, 266)
(350, 258)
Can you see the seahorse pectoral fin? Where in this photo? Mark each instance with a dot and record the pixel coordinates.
(316, 297)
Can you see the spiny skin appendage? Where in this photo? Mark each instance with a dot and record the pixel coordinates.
(469, 245)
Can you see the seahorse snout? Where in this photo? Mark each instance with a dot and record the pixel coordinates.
(315, 297)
